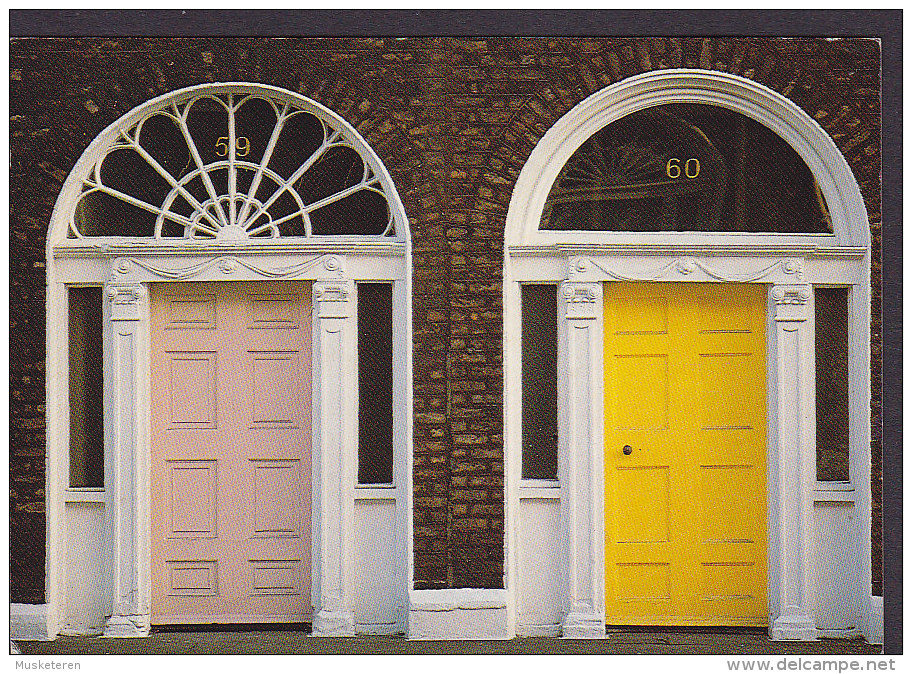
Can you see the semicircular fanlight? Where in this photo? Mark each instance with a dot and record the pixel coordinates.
(231, 167)
(685, 167)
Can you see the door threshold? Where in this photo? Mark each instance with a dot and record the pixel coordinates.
(686, 629)
(233, 627)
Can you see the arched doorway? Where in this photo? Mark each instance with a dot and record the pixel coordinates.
(214, 457)
(633, 223)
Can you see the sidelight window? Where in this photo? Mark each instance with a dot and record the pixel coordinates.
(375, 383)
(86, 388)
(831, 344)
(539, 381)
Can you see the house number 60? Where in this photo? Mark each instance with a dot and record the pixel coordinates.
(691, 168)
(242, 143)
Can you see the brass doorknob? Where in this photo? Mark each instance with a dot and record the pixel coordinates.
(628, 450)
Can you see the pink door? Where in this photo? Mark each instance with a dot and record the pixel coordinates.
(231, 418)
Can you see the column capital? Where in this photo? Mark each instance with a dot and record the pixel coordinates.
(126, 300)
(333, 298)
(580, 298)
(792, 301)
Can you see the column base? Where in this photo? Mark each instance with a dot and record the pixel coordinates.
(137, 625)
(333, 624)
(583, 626)
(793, 628)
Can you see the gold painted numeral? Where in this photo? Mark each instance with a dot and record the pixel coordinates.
(242, 143)
(691, 168)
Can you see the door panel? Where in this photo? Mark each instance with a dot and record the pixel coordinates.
(685, 454)
(231, 467)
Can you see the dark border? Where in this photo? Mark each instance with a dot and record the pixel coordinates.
(415, 23)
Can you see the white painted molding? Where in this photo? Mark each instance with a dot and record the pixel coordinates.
(127, 521)
(658, 87)
(581, 447)
(335, 433)
(686, 268)
(695, 244)
(874, 630)
(111, 247)
(29, 622)
(226, 268)
(457, 614)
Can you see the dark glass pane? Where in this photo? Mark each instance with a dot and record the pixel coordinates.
(832, 348)
(375, 383)
(86, 389)
(539, 382)
(364, 212)
(207, 121)
(161, 137)
(100, 214)
(300, 137)
(337, 169)
(686, 167)
(255, 120)
(127, 172)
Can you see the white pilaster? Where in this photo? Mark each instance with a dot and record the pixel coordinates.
(581, 470)
(126, 469)
(793, 599)
(335, 425)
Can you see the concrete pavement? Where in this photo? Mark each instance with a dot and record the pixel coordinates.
(284, 642)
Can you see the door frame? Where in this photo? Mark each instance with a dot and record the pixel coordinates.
(789, 265)
(124, 268)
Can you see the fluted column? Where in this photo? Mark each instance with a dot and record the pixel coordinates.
(793, 604)
(126, 468)
(335, 437)
(580, 472)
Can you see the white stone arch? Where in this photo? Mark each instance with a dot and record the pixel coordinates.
(764, 105)
(790, 265)
(61, 218)
(124, 266)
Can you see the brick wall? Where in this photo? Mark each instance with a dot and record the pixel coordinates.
(453, 120)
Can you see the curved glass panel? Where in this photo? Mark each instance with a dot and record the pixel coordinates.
(686, 167)
(231, 167)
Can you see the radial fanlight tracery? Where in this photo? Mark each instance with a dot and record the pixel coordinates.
(232, 166)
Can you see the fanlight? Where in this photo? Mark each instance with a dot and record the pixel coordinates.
(684, 167)
(231, 167)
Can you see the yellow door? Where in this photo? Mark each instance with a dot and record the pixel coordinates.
(685, 454)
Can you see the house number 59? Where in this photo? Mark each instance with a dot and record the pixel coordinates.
(242, 143)
(691, 168)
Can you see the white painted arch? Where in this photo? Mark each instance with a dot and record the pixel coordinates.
(558, 525)
(658, 87)
(98, 554)
(62, 215)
